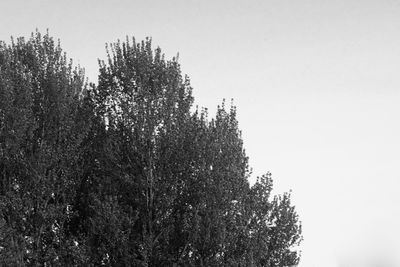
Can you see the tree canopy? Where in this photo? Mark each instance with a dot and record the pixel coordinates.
(127, 172)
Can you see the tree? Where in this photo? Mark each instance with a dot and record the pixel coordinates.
(128, 172)
(40, 133)
(187, 176)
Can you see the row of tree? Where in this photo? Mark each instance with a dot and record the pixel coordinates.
(126, 172)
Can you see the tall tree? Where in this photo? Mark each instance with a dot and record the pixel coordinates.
(40, 133)
(187, 176)
(143, 101)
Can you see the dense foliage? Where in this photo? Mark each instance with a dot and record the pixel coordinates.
(126, 173)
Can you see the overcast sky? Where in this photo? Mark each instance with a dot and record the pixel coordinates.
(317, 88)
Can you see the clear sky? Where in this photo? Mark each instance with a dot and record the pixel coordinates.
(317, 87)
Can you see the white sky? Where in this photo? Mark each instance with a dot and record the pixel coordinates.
(317, 89)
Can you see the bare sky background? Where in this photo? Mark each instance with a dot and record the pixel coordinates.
(317, 87)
